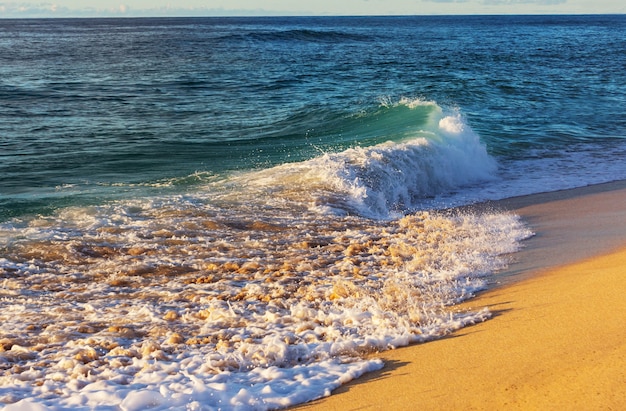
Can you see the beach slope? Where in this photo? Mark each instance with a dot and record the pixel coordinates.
(557, 339)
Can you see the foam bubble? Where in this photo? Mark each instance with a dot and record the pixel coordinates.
(452, 124)
(174, 301)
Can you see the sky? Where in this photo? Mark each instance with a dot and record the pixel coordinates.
(149, 8)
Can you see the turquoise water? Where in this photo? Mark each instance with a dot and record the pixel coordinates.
(205, 213)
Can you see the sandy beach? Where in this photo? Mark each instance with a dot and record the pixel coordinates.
(557, 338)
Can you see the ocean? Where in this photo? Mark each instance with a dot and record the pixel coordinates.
(238, 213)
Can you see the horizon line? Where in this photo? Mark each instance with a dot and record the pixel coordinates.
(269, 15)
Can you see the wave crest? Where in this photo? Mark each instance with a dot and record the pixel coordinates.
(439, 155)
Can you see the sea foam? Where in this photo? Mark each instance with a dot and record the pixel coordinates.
(172, 302)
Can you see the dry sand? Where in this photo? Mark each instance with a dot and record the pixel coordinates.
(557, 339)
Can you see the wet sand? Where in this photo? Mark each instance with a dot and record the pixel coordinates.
(557, 339)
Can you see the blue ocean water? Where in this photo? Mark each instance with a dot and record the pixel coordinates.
(204, 212)
(92, 109)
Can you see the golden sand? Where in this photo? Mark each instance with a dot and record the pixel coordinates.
(558, 336)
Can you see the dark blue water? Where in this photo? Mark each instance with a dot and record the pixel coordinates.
(90, 107)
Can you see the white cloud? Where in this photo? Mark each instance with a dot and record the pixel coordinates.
(519, 2)
(132, 8)
(35, 10)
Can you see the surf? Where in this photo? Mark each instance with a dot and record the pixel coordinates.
(404, 153)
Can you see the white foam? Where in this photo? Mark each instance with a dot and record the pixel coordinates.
(170, 303)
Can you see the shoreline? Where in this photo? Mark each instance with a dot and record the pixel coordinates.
(551, 342)
(569, 225)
